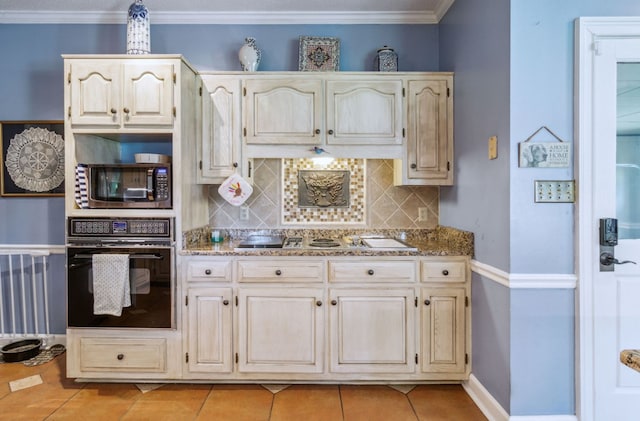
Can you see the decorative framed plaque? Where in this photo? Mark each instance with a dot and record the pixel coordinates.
(319, 54)
(323, 188)
(32, 158)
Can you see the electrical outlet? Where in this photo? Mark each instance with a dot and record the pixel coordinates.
(555, 191)
(423, 214)
(244, 213)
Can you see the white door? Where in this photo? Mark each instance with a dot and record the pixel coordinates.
(609, 179)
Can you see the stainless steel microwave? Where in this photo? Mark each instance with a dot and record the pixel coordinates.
(140, 186)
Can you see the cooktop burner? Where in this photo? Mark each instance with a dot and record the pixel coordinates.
(324, 242)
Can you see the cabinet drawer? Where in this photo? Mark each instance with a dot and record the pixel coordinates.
(443, 271)
(209, 271)
(280, 271)
(373, 271)
(109, 354)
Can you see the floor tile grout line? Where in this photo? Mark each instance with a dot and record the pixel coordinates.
(406, 395)
(206, 398)
(341, 403)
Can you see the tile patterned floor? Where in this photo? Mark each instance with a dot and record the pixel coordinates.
(59, 398)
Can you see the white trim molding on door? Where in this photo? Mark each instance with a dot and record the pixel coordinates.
(525, 280)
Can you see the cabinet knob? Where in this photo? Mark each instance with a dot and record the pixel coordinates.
(334, 302)
(126, 110)
(445, 272)
(330, 131)
(278, 272)
(207, 271)
(113, 111)
(414, 166)
(225, 302)
(235, 165)
(120, 357)
(319, 303)
(427, 302)
(317, 131)
(370, 272)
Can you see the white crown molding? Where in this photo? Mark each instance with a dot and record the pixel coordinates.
(229, 18)
(442, 8)
(525, 280)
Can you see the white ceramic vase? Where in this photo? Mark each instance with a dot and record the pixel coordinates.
(249, 55)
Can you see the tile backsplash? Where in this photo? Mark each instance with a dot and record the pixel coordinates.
(374, 201)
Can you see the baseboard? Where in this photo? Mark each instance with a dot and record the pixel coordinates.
(483, 399)
(544, 418)
(494, 412)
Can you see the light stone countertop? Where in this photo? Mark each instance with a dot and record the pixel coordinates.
(441, 241)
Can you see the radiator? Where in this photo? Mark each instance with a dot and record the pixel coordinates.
(24, 303)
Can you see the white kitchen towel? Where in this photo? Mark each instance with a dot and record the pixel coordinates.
(111, 287)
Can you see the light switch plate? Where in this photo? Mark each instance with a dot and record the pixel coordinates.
(555, 191)
(493, 147)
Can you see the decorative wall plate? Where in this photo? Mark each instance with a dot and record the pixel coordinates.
(35, 159)
(318, 54)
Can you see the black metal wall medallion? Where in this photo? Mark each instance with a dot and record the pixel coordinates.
(323, 189)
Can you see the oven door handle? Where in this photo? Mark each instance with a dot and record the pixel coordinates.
(131, 256)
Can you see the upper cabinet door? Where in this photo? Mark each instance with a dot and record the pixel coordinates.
(96, 88)
(430, 138)
(108, 93)
(148, 94)
(221, 138)
(283, 111)
(368, 112)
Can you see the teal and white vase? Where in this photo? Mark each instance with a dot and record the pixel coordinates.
(138, 29)
(249, 55)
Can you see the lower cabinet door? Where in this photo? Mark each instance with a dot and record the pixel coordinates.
(281, 330)
(372, 331)
(443, 330)
(209, 332)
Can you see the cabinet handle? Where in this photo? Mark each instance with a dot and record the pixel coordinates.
(225, 302)
(113, 111)
(317, 131)
(414, 166)
(120, 357)
(126, 110)
(445, 272)
(207, 272)
(334, 302)
(319, 303)
(370, 272)
(278, 272)
(427, 302)
(330, 131)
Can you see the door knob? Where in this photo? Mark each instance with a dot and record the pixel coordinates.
(607, 259)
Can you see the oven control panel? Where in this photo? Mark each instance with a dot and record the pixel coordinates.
(120, 227)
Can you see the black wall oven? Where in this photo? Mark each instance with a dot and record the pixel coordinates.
(148, 246)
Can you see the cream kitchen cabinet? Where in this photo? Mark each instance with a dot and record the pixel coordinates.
(113, 93)
(372, 330)
(281, 330)
(445, 318)
(353, 115)
(327, 318)
(428, 158)
(220, 145)
(210, 339)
